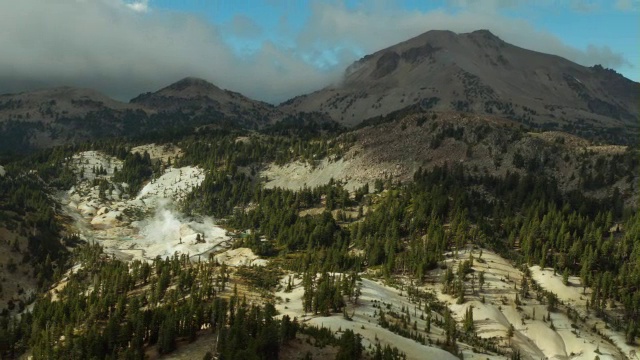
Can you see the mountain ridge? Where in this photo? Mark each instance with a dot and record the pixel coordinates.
(478, 72)
(200, 96)
(64, 115)
(438, 70)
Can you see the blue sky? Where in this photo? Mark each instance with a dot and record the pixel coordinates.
(273, 50)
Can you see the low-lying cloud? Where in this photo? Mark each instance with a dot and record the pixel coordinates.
(104, 44)
(126, 48)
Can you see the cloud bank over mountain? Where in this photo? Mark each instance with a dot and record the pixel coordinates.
(125, 48)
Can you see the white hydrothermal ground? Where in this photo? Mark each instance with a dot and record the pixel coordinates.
(174, 184)
(86, 161)
(148, 225)
(533, 336)
(239, 257)
(364, 320)
(168, 232)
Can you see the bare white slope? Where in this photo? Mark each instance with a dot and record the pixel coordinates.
(534, 337)
(296, 175)
(364, 322)
(353, 170)
(148, 225)
(575, 296)
(174, 184)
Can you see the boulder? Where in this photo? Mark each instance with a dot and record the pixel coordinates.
(87, 210)
(107, 220)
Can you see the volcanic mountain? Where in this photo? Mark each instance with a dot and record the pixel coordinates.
(48, 105)
(196, 96)
(437, 71)
(49, 117)
(480, 73)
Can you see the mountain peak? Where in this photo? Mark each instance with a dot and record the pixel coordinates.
(486, 37)
(484, 33)
(479, 72)
(198, 96)
(186, 88)
(193, 83)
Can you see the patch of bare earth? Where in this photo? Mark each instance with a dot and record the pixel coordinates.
(538, 332)
(159, 152)
(395, 150)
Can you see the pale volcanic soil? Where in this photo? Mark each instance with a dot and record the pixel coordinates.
(364, 322)
(575, 297)
(533, 336)
(149, 224)
(297, 175)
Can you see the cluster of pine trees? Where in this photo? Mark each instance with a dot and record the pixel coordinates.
(26, 207)
(406, 230)
(136, 170)
(326, 294)
(111, 309)
(524, 217)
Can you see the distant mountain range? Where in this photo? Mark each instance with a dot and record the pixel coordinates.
(67, 115)
(439, 71)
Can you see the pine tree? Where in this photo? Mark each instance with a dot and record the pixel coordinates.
(510, 332)
(469, 327)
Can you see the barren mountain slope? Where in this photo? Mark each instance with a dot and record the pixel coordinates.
(395, 149)
(48, 105)
(478, 72)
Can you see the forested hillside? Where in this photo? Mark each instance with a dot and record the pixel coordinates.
(331, 248)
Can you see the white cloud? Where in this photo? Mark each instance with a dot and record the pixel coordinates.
(103, 44)
(139, 6)
(627, 5)
(374, 30)
(244, 27)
